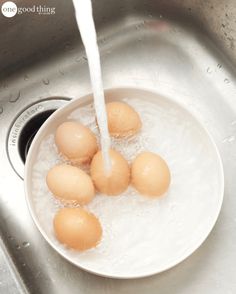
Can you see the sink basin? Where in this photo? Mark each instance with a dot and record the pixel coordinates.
(183, 50)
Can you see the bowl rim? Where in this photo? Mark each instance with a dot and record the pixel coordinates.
(171, 264)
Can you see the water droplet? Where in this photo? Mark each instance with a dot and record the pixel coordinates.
(160, 16)
(23, 264)
(227, 81)
(85, 58)
(46, 82)
(67, 46)
(26, 244)
(10, 237)
(223, 25)
(18, 247)
(61, 72)
(229, 139)
(14, 98)
(219, 65)
(1, 109)
(150, 15)
(209, 70)
(78, 59)
(26, 77)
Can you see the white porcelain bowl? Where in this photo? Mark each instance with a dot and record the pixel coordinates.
(141, 237)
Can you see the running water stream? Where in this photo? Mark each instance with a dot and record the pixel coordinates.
(85, 22)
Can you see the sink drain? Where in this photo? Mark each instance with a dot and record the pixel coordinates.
(25, 127)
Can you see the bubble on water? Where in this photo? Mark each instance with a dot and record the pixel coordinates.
(14, 97)
(26, 77)
(46, 81)
(1, 109)
(209, 70)
(26, 244)
(229, 139)
(227, 81)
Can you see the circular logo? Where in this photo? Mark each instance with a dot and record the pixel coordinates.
(9, 9)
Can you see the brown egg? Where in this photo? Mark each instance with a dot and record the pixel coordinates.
(70, 183)
(118, 178)
(76, 142)
(150, 174)
(77, 228)
(123, 120)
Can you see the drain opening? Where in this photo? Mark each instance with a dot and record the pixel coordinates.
(25, 127)
(30, 130)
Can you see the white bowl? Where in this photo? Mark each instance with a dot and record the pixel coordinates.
(141, 237)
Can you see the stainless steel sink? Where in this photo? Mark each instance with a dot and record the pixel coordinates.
(182, 49)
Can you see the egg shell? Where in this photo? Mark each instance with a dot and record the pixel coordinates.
(118, 178)
(77, 228)
(76, 142)
(70, 184)
(150, 174)
(123, 120)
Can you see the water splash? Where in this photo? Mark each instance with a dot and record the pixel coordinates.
(61, 72)
(219, 65)
(14, 97)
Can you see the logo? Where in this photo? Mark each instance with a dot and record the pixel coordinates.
(9, 9)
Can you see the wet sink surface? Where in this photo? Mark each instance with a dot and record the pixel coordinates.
(180, 51)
